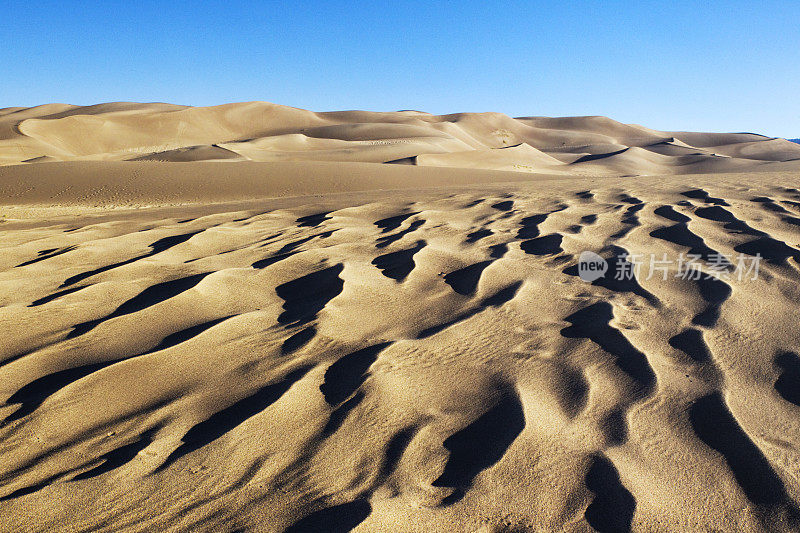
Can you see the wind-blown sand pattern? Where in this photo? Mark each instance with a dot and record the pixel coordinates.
(417, 359)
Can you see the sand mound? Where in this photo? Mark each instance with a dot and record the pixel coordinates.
(522, 157)
(259, 131)
(769, 150)
(191, 153)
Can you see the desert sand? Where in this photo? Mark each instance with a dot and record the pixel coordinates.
(258, 318)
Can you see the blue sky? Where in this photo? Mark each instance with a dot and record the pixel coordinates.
(713, 66)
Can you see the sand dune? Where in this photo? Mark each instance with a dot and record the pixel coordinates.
(259, 131)
(261, 327)
(192, 153)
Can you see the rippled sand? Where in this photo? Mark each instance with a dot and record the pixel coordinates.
(423, 359)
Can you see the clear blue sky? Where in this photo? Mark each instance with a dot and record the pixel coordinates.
(713, 66)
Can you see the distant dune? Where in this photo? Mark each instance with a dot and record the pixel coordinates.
(239, 318)
(264, 132)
